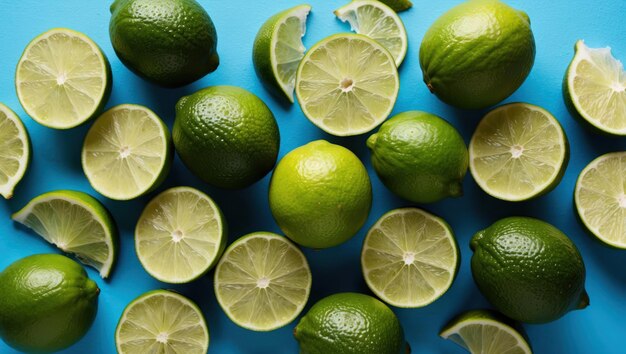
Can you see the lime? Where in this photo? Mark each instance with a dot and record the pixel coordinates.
(15, 147)
(486, 332)
(347, 84)
(529, 270)
(47, 303)
(76, 223)
(162, 321)
(350, 323)
(600, 198)
(62, 79)
(397, 5)
(169, 42)
(262, 282)
(180, 235)
(409, 258)
(278, 50)
(519, 151)
(226, 136)
(477, 54)
(127, 152)
(595, 87)
(320, 194)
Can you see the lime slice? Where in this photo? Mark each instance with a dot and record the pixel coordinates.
(127, 152)
(485, 332)
(379, 22)
(596, 88)
(518, 152)
(162, 321)
(62, 79)
(14, 151)
(262, 282)
(347, 84)
(278, 50)
(409, 258)
(180, 235)
(76, 223)
(600, 198)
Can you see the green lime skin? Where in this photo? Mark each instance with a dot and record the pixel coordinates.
(169, 42)
(226, 136)
(477, 54)
(419, 157)
(350, 323)
(398, 5)
(529, 270)
(47, 303)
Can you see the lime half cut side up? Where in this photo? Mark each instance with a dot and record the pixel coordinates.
(15, 151)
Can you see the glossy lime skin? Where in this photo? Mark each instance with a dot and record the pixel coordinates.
(398, 5)
(169, 42)
(529, 270)
(47, 303)
(419, 157)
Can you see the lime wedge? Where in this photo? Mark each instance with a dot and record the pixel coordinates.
(15, 151)
(262, 282)
(180, 235)
(62, 79)
(409, 258)
(347, 84)
(379, 22)
(600, 198)
(76, 223)
(127, 152)
(518, 152)
(162, 321)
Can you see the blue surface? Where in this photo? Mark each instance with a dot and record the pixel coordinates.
(557, 25)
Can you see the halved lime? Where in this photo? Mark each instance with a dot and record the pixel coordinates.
(262, 282)
(519, 151)
(409, 258)
(600, 198)
(378, 21)
(76, 223)
(596, 88)
(14, 151)
(486, 332)
(347, 84)
(162, 321)
(127, 152)
(62, 79)
(278, 50)
(180, 235)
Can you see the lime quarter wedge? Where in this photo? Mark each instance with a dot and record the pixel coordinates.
(14, 151)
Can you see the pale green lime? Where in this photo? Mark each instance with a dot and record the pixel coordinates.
(15, 147)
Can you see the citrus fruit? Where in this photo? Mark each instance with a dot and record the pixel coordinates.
(127, 152)
(477, 54)
(529, 270)
(595, 89)
(180, 235)
(320, 194)
(350, 323)
(419, 157)
(15, 147)
(347, 84)
(397, 5)
(162, 321)
(226, 136)
(62, 79)
(47, 303)
(600, 198)
(262, 282)
(169, 42)
(278, 50)
(409, 258)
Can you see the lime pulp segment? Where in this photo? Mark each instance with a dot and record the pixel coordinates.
(14, 151)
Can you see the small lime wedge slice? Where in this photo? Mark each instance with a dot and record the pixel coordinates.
(15, 151)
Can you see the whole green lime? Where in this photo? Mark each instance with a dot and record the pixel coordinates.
(477, 54)
(529, 270)
(419, 157)
(226, 136)
(320, 194)
(47, 303)
(169, 42)
(350, 323)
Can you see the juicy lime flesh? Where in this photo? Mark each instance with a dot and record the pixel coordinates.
(486, 336)
(14, 151)
(289, 50)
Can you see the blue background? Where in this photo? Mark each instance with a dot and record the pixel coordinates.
(557, 24)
